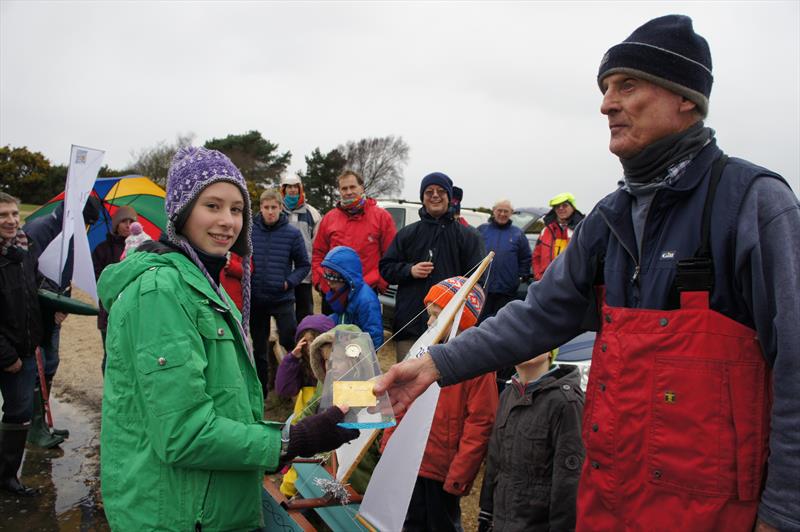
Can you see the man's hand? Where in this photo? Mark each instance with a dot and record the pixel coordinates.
(406, 381)
(15, 367)
(60, 317)
(421, 270)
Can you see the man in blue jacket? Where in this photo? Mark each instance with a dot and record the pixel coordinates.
(512, 258)
(690, 272)
(280, 263)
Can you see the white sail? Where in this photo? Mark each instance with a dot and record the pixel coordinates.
(84, 164)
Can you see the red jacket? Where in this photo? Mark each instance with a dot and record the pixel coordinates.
(459, 437)
(231, 278)
(368, 233)
(552, 241)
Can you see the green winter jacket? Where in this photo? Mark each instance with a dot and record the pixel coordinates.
(183, 443)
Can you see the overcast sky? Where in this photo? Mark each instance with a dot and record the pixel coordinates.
(500, 96)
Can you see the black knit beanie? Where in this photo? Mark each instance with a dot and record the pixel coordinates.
(437, 178)
(665, 51)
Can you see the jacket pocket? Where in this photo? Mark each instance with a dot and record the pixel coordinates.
(693, 435)
(534, 452)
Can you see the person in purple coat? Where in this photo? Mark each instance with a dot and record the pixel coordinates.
(294, 372)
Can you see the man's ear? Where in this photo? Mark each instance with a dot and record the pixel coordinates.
(687, 105)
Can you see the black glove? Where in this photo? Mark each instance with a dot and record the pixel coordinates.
(485, 521)
(318, 433)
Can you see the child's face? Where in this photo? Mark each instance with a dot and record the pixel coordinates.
(216, 219)
(335, 285)
(326, 351)
(433, 312)
(536, 361)
(309, 337)
(271, 211)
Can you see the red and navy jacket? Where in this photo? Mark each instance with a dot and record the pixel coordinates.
(755, 245)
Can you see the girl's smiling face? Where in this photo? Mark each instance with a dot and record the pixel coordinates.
(216, 219)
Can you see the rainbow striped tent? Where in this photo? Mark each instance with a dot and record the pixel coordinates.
(137, 191)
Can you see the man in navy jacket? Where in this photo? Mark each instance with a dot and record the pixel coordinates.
(674, 260)
(512, 258)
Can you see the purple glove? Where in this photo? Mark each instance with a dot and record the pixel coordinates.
(318, 433)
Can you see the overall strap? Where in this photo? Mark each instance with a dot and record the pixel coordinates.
(696, 274)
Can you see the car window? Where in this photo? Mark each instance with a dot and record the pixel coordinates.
(398, 215)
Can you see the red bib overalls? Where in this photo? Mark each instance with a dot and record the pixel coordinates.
(676, 421)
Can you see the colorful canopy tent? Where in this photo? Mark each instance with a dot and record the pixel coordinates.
(137, 191)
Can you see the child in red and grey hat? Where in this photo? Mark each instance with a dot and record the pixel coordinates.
(459, 433)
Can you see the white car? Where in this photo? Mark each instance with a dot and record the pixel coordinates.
(407, 212)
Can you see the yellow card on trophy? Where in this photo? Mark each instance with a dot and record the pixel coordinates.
(354, 393)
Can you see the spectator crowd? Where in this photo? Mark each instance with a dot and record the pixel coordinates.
(186, 323)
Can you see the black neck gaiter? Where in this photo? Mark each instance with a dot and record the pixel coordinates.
(649, 168)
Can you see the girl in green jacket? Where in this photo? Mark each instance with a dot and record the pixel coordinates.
(184, 444)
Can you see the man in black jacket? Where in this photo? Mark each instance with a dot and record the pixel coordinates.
(424, 253)
(20, 333)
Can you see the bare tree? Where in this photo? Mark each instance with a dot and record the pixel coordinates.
(154, 161)
(380, 161)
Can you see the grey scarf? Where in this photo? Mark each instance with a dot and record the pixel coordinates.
(662, 162)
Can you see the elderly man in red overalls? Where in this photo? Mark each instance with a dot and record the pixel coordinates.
(690, 273)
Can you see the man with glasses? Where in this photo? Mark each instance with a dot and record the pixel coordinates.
(558, 226)
(423, 253)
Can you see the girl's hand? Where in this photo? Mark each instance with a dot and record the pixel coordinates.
(297, 352)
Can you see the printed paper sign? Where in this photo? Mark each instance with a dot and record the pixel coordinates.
(354, 393)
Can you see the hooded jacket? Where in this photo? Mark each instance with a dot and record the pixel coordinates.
(512, 259)
(279, 254)
(552, 240)
(184, 444)
(455, 250)
(368, 233)
(535, 454)
(363, 308)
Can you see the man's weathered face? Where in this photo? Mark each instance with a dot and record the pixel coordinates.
(640, 113)
(349, 189)
(9, 219)
(564, 211)
(502, 212)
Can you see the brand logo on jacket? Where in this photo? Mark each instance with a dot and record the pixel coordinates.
(668, 255)
(670, 397)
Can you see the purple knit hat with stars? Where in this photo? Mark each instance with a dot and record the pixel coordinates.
(191, 171)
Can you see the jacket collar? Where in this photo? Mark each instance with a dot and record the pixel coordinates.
(282, 220)
(555, 378)
(616, 209)
(446, 218)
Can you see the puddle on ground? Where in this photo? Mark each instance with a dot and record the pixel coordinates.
(66, 476)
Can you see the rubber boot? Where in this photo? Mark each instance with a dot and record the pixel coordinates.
(64, 433)
(12, 447)
(39, 434)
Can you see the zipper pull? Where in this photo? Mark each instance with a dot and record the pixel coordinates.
(635, 276)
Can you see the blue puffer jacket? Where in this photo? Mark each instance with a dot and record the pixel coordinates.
(363, 308)
(512, 259)
(279, 254)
